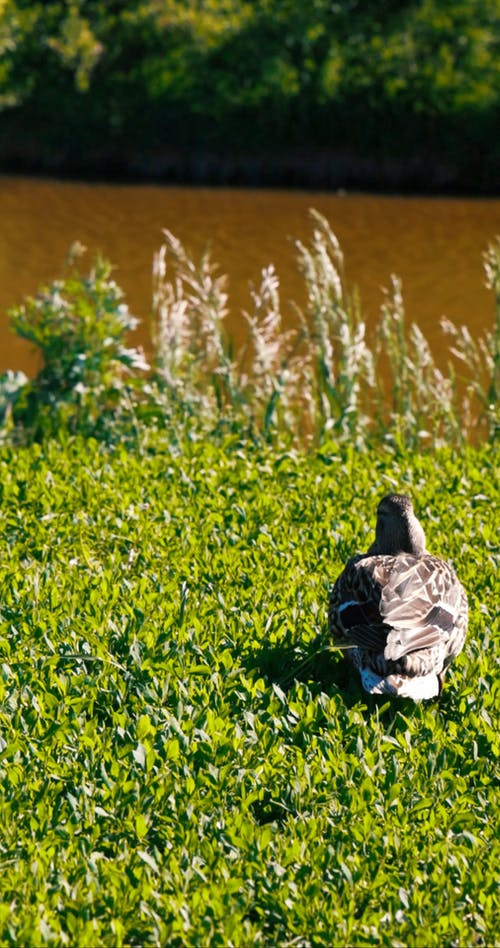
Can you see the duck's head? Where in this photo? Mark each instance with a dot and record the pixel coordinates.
(397, 530)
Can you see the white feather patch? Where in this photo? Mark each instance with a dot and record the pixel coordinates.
(418, 688)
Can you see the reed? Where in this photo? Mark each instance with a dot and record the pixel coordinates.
(318, 382)
(192, 361)
(420, 402)
(479, 360)
(340, 367)
(321, 380)
(271, 367)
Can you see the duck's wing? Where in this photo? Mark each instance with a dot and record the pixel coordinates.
(399, 604)
(424, 605)
(354, 615)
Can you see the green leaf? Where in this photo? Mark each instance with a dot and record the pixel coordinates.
(141, 826)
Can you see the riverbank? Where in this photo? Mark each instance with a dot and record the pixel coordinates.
(325, 376)
(419, 239)
(419, 172)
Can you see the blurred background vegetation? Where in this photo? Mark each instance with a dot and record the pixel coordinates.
(359, 91)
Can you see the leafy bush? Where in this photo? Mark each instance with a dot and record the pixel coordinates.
(415, 84)
(79, 326)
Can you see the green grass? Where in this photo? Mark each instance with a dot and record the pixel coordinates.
(182, 760)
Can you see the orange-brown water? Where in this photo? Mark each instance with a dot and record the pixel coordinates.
(435, 245)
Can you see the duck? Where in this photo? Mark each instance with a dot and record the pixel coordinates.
(398, 612)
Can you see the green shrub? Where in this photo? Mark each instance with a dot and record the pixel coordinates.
(416, 83)
(79, 326)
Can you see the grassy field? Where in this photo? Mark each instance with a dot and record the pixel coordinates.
(183, 760)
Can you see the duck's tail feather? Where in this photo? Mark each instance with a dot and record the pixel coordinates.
(419, 687)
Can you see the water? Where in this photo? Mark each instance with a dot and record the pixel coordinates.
(435, 245)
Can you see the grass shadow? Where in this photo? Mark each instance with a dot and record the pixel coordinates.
(316, 664)
(325, 669)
